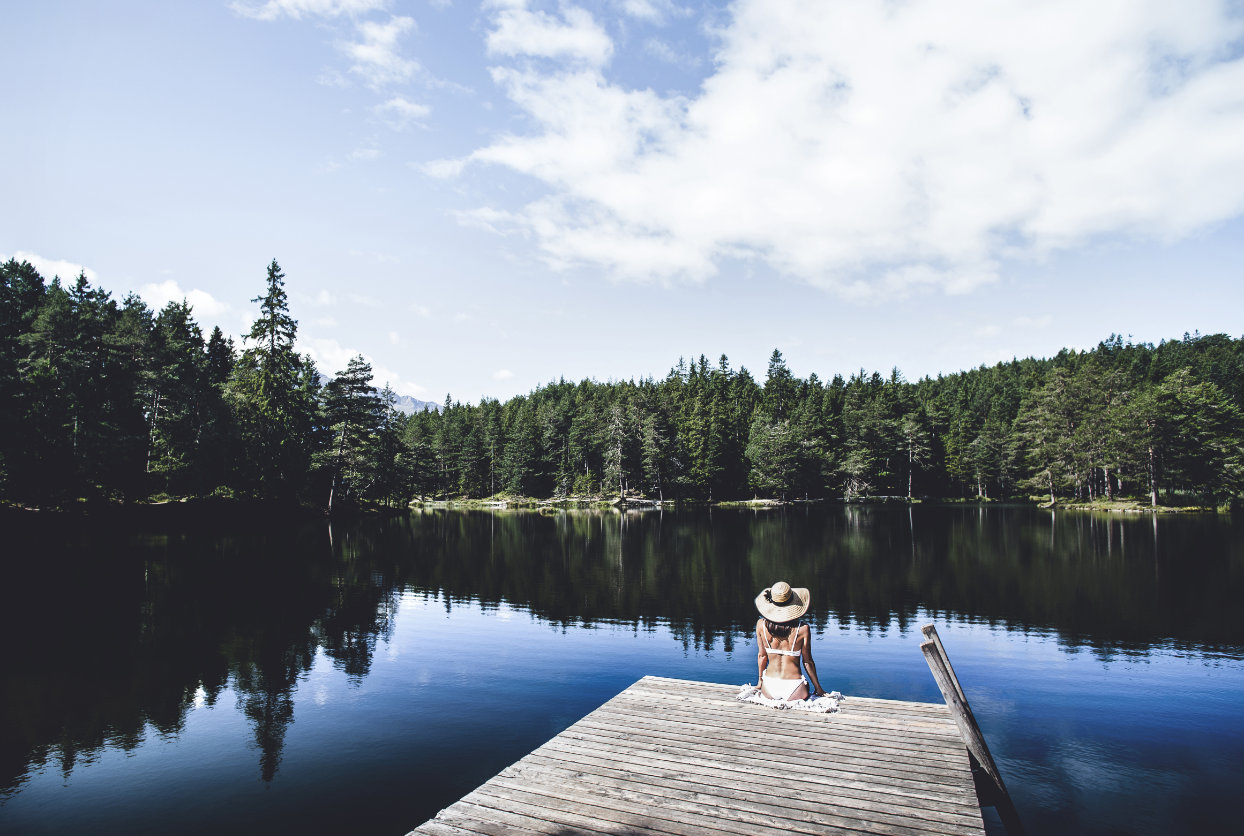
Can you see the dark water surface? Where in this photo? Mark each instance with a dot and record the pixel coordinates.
(358, 679)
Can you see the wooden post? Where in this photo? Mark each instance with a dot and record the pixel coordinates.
(930, 634)
(968, 729)
(957, 702)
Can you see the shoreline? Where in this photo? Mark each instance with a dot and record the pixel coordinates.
(218, 510)
(599, 503)
(194, 511)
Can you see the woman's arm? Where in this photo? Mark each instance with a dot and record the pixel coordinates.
(762, 658)
(809, 665)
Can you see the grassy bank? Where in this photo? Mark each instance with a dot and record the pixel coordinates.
(1133, 506)
(198, 509)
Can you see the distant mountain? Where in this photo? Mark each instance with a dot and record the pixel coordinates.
(409, 405)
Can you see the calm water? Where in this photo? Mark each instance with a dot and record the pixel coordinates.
(359, 678)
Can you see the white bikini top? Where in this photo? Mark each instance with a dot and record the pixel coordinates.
(792, 652)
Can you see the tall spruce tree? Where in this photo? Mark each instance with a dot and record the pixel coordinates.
(779, 393)
(272, 391)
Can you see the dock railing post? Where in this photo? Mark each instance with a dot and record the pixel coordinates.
(969, 730)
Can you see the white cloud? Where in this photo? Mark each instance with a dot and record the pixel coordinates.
(519, 31)
(364, 154)
(644, 10)
(373, 49)
(398, 112)
(375, 55)
(441, 169)
(325, 298)
(421, 310)
(52, 267)
(487, 218)
(296, 9)
(394, 339)
(875, 147)
(331, 357)
(160, 294)
(502, 374)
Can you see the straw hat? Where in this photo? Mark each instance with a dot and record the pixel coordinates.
(781, 603)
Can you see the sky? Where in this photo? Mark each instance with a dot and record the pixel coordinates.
(483, 197)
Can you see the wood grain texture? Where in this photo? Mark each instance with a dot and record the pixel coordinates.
(671, 757)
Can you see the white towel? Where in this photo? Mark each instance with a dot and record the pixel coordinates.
(827, 704)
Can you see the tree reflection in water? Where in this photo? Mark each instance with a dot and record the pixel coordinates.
(114, 637)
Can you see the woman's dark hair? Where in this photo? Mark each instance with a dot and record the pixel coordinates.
(781, 630)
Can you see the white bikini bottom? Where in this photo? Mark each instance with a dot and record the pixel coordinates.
(819, 705)
(781, 689)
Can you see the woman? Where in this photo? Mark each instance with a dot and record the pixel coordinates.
(783, 641)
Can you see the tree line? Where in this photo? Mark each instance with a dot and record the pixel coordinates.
(107, 399)
(111, 400)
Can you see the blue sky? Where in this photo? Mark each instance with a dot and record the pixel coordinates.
(483, 197)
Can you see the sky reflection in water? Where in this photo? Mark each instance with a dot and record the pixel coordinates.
(365, 684)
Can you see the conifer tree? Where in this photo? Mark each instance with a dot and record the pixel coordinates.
(273, 392)
(354, 412)
(779, 393)
(175, 398)
(915, 440)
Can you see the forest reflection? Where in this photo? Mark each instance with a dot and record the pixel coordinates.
(1100, 581)
(114, 637)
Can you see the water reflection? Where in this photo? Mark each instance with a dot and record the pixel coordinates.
(114, 637)
(1102, 582)
(121, 636)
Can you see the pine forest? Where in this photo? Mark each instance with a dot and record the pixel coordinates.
(107, 400)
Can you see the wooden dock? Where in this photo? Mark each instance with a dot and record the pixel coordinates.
(669, 756)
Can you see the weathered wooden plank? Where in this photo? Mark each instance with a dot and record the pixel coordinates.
(673, 758)
(875, 785)
(900, 790)
(633, 817)
(875, 779)
(697, 734)
(825, 757)
(850, 708)
(463, 822)
(725, 692)
(754, 724)
(756, 799)
(752, 719)
(850, 713)
(436, 828)
(518, 822)
(676, 816)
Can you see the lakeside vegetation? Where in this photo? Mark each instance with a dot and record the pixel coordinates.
(112, 401)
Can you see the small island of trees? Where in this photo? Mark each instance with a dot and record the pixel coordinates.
(111, 401)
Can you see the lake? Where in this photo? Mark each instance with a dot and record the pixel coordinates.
(358, 678)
